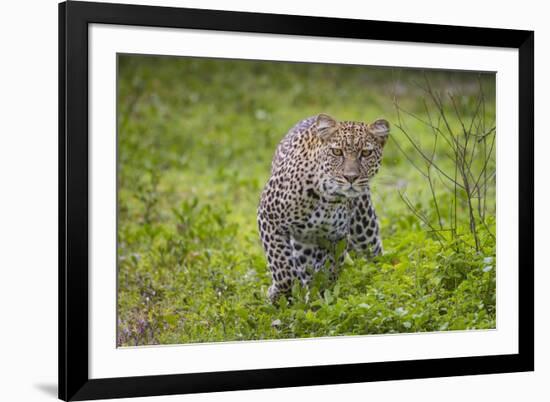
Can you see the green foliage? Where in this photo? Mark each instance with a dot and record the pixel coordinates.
(195, 142)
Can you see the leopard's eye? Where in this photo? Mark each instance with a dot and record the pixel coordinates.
(336, 151)
(365, 153)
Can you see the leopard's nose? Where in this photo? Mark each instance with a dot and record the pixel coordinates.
(350, 177)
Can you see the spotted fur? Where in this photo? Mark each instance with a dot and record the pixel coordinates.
(318, 194)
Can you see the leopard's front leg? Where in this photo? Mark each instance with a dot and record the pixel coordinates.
(308, 258)
(281, 264)
(290, 260)
(279, 253)
(364, 231)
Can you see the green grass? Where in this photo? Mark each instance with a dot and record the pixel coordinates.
(195, 141)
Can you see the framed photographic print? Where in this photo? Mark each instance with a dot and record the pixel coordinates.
(258, 200)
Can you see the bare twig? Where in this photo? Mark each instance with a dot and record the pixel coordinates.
(471, 152)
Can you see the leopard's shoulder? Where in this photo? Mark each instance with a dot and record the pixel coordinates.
(301, 129)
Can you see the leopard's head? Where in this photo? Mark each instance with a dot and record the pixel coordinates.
(349, 154)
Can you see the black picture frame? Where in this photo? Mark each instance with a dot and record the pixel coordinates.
(74, 18)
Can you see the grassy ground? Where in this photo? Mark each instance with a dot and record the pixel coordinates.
(195, 140)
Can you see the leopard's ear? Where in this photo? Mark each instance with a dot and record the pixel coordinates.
(380, 129)
(326, 126)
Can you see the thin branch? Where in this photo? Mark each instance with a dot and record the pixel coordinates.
(419, 215)
(426, 158)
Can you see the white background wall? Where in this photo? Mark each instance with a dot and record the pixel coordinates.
(28, 198)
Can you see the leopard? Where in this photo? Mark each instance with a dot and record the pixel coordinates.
(317, 196)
